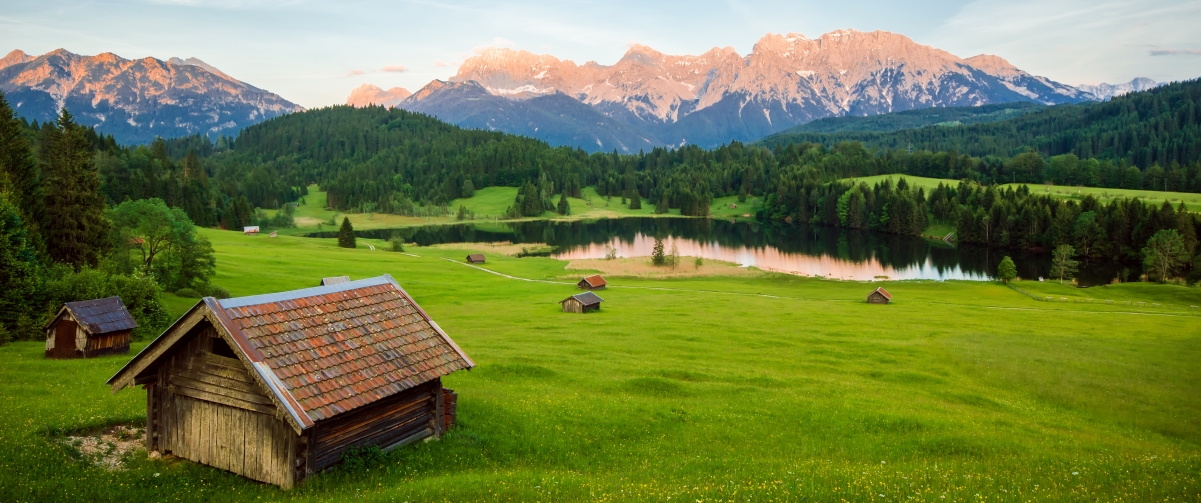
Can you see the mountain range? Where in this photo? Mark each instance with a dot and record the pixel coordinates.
(649, 99)
(1106, 91)
(135, 100)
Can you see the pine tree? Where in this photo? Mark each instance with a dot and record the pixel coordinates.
(74, 226)
(658, 257)
(635, 201)
(1006, 271)
(346, 234)
(564, 208)
(19, 172)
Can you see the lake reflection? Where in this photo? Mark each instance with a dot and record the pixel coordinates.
(793, 249)
(770, 258)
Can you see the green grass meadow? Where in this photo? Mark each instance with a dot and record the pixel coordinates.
(776, 388)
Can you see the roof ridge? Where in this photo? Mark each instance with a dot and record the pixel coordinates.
(253, 300)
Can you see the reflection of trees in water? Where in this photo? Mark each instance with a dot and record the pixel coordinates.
(890, 250)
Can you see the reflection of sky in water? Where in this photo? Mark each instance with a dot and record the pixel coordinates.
(772, 259)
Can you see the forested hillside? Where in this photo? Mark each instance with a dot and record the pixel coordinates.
(1161, 126)
(921, 117)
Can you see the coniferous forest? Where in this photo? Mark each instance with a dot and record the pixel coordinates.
(77, 209)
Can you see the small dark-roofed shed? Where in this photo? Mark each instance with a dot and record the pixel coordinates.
(276, 387)
(594, 282)
(582, 303)
(335, 280)
(89, 328)
(475, 258)
(879, 296)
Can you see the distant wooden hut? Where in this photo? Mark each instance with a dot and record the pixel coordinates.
(276, 387)
(582, 303)
(879, 296)
(594, 282)
(334, 280)
(89, 328)
(475, 258)
(250, 229)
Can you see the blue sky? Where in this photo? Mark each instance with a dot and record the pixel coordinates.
(314, 53)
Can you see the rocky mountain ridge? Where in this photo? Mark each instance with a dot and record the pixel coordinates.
(135, 100)
(720, 96)
(1106, 91)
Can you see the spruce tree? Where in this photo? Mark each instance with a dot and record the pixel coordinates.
(564, 208)
(658, 257)
(346, 234)
(635, 201)
(74, 226)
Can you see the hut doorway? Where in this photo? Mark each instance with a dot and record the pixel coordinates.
(64, 338)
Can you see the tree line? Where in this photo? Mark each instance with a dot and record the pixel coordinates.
(1155, 130)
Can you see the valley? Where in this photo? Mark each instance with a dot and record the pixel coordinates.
(968, 388)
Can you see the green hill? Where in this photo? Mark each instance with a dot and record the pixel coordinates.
(1159, 126)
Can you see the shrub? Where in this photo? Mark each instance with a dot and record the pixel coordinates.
(188, 293)
(215, 291)
(397, 244)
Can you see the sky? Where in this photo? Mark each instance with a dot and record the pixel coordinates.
(314, 53)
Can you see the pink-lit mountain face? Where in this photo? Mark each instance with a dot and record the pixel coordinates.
(135, 100)
(367, 95)
(720, 96)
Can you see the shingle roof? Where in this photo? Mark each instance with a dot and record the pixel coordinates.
(337, 348)
(475, 257)
(884, 293)
(101, 316)
(586, 298)
(595, 280)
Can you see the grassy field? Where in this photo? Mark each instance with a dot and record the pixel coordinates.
(1192, 201)
(766, 388)
(490, 204)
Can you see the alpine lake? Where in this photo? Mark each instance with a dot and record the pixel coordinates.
(778, 247)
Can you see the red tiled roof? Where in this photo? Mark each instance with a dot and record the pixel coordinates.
(595, 280)
(884, 293)
(340, 348)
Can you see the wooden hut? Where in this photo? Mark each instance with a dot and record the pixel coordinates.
(582, 303)
(879, 296)
(334, 280)
(276, 387)
(595, 282)
(475, 258)
(89, 328)
(250, 229)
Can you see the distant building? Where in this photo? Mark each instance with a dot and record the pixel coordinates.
(582, 303)
(89, 328)
(475, 258)
(595, 282)
(879, 296)
(277, 387)
(335, 280)
(250, 229)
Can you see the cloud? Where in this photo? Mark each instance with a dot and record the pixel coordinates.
(394, 69)
(355, 73)
(1176, 52)
(442, 64)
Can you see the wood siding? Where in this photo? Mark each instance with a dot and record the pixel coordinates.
(394, 421)
(208, 409)
(877, 298)
(108, 344)
(575, 306)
